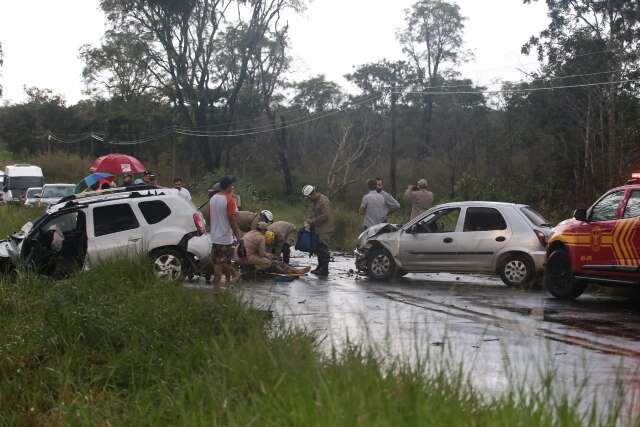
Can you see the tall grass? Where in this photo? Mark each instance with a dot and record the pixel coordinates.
(116, 347)
(13, 217)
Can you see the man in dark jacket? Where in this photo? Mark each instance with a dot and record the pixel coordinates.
(321, 222)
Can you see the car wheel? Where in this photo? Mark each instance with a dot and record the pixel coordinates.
(168, 264)
(380, 264)
(558, 277)
(517, 271)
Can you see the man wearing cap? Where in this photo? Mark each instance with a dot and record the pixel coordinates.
(321, 222)
(248, 221)
(224, 231)
(420, 197)
(255, 243)
(286, 235)
(256, 247)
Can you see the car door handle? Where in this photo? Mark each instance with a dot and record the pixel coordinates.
(500, 239)
(448, 240)
(135, 239)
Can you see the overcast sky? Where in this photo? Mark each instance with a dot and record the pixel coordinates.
(41, 38)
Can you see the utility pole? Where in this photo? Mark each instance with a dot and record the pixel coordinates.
(173, 155)
(392, 160)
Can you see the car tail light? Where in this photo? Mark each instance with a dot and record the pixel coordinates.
(542, 238)
(199, 223)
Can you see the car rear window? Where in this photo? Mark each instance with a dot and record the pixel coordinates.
(535, 217)
(154, 211)
(484, 219)
(113, 219)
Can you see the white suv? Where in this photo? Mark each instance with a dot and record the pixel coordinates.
(83, 230)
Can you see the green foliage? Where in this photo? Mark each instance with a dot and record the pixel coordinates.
(470, 187)
(317, 94)
(12, 218)
(432, 37)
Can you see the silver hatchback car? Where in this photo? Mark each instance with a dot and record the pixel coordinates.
(465, 237)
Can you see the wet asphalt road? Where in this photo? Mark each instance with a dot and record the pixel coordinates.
(497, 333)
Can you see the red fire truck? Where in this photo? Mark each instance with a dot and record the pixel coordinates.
(598, 245)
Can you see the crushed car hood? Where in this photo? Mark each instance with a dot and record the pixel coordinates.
(376, 230)
(379, 229)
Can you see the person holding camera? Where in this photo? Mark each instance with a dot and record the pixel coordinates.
(420, 197)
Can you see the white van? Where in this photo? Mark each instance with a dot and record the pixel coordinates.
(17, 179)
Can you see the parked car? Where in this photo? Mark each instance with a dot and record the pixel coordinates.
(598, 245)
(32, 196)
(1, 186)
(17, 179)
(53, 193)
(84, 230)
(467, 237)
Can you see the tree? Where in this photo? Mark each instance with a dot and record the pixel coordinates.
(432, 39)
(1, 64)
(120, 66)
(354, 152)
(318, 94)
(188, 43)
(595, 36)
(384, 79)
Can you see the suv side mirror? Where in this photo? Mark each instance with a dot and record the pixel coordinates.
(411, 230)
(580, 215)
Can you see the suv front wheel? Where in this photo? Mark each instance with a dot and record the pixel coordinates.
(558, 277)
(169, 264)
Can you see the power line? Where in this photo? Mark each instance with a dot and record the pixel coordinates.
(524, 90)
(274, 129)
(247, 132)
(567, 76)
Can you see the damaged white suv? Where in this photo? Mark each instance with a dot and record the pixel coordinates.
(84, 230)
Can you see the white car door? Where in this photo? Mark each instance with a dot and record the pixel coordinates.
(433, 243)
(114, 231)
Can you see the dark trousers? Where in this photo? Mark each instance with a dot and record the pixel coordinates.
(286, 253)
(323, 255)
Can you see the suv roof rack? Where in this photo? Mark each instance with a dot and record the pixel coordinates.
(106, 192)
(93, 197)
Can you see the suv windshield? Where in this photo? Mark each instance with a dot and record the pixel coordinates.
(535, 217)
(58, 191)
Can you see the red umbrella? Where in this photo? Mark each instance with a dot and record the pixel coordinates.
(117, 164)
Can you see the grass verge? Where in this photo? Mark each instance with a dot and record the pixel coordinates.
(116, 347)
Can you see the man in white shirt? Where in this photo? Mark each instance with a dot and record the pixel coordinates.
(373, 207)
(178, 185)
(224, 231)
